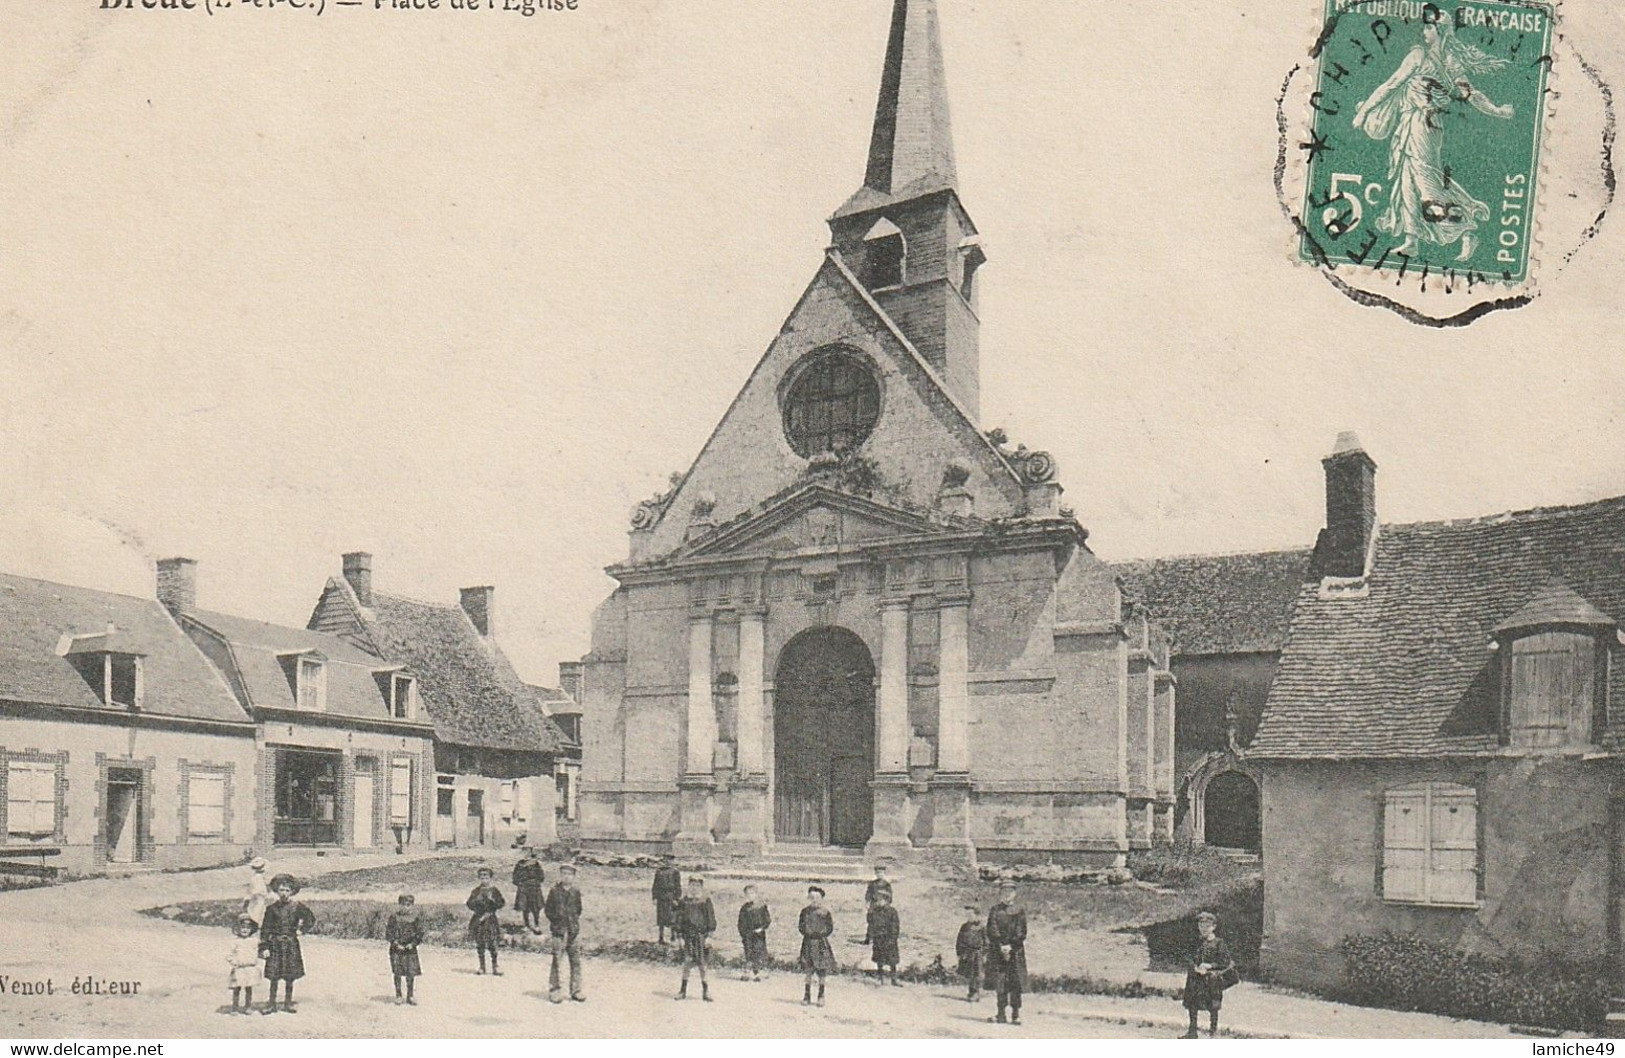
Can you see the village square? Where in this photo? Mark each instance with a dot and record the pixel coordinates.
(868, 741)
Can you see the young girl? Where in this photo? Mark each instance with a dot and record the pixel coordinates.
(754, 920)
(285, 920)
(817, 957)
(1212, 970)
(404, 931)
(244, 959)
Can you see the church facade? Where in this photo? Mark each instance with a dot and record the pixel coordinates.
(859, 620)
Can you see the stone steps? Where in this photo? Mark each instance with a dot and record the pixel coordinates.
(801, 863)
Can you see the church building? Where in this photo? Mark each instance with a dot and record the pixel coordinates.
(860, 620)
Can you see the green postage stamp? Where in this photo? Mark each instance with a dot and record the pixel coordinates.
(1425, 137)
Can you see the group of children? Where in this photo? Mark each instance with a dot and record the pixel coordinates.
(991, 952)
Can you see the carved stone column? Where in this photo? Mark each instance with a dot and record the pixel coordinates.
(698, 783)
(951, 788)
(891, 807)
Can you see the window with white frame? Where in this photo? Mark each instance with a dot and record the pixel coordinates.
(206, 806)
(1430, 851)
(521, 800)
(400, 792)
(403, 697)
(30, 801)
(311, 692)
(507, 796)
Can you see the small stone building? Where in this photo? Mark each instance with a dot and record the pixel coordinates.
(860, 619)
(1440, 747)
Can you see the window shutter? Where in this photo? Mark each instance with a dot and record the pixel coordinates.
(31, 799)
(1404, 845)
(1453, 864)
(1599, 698)
(507, 802)
(400, 792)
(206, 806)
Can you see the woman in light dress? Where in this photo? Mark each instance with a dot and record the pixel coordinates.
(1425, 204)
(259, 894)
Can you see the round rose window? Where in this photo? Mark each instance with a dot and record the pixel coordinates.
(832, 405)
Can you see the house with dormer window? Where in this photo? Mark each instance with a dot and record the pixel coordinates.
(121, 746)
(1440, 747)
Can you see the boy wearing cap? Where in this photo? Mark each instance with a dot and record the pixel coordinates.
(754, 919)
(484, 928)
(878, 884)
(1007, 953)
(404, 932)
(563, 910)
(1211, 971)
(696, 921)
(884, 929)
(817, 925)
(971, 947)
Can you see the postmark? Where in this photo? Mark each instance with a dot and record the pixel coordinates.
(1431, 147)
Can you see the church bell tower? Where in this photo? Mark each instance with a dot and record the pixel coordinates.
(905, 233)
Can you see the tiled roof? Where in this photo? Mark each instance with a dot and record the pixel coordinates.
(466, 683)
(177, 680)
(1404, 669)
(353, 675)
(1219, 604)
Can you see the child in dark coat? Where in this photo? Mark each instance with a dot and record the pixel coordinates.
(971, 947)
(1007, 953)
(404, 932)
(528, 877)
(696, 921)
(484, 929)
(754, 918)
(285, 919)
(884, 929)
(1212, 970)
(817, 925)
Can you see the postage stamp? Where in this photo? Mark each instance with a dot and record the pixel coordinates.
(1424, 150)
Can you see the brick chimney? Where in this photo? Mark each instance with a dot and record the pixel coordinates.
(570, 679)
(477, 603)
(177, 584)
(1351, 509)
(358, 571)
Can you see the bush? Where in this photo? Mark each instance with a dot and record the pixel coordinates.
(1182, 868)
(1240, 908)
(1404, 972)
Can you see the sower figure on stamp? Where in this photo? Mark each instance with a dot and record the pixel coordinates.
(696, 921)
(971, 947)
(285, 919)
(754, 919)
(884, 929)
(1212, 970)
(528, 876)
(404, 932)
(485, 929)
(563, 909)
(1007, 953)
(667, 891)
(817, 925)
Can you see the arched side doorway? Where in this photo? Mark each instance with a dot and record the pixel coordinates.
(1230, 812)
(824, 739)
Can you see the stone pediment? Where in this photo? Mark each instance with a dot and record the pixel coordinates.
(813, 520)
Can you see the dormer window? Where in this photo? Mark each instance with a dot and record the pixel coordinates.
(307, 678)
(1554, 671)
(885, 255)
(122, 680)
(109, 664)
(403, 692)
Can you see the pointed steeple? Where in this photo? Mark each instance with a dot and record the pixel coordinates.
(912, 150)
(905, 233)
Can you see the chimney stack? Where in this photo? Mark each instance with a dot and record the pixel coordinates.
(1351, 509)
(177, 584)
(477, 603)
(358, 571)
(570, 679)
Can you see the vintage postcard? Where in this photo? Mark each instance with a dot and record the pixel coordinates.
(869, 519)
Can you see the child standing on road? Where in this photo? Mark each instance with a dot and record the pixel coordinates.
(817, 925)
(971, 947)
(884, 929)
(696, 921)
(484, 929)
(244, 959)
(285, 919)
(1212, 970)
(754, 918)
(404, 931)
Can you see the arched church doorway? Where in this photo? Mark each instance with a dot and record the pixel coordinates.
(824, 739)
(1230, 812)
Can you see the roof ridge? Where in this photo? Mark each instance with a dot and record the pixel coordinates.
(414, 600)
(1193, 556)
(1528, 514)
(78, 587)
